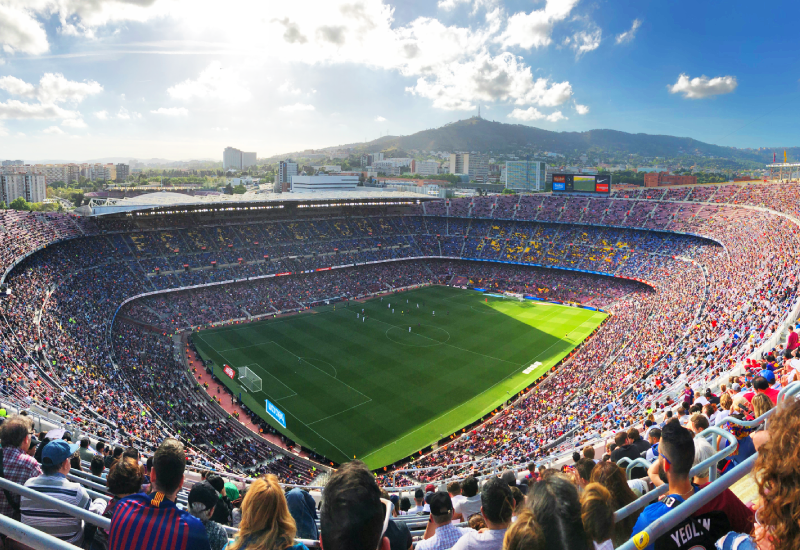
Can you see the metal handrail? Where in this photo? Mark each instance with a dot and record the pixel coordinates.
(634, 463)
(85, 515)
(645, 499)
(661, 525)
(30, 536)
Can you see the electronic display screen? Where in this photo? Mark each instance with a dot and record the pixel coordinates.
(582, 183)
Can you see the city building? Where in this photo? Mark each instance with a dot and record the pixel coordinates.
(525, 175)
(474, 165)
(123, 171)
(283, 177)
(12, 163)
(654, 179)
(234, 159)
(31, 187)
(306, 184)
(426, 167)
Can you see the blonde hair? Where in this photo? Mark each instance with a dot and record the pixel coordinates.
(266, 521)
(525, 533)
(761, 404)
(597, 512)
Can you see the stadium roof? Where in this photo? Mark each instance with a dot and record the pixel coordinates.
(169, 202)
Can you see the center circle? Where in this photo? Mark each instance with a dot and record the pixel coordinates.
(422, 336)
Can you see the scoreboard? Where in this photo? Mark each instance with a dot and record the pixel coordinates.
(582, 183)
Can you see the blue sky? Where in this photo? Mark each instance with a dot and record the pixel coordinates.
(182, 79)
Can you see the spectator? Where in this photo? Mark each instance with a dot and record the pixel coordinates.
(96, 466)
(597, 516)
(761, 386)
(236, 513)
(612, 477)
(702, 451)
(75, 461)
(222, 513)
(725, 403)
(699, 422)
(100, 448)
(588, 452)
(551, 521)
(405, 506)
(472, 502)
(454, 490)
(124, 479)
(353, 516)
(18, 466)
(203, 498)
(497, 507)
(778, 479)
(419, 503)
(85, 452)
(53, 483)
(153, 522)
(583, 469)
(676, 456)
(304, 511)
(111, 458)
(761, 404)
(444, 534)
(653, 437)
(628, 448)
(397, 532)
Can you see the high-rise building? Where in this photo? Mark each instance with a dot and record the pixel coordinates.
(31, 187)
(123, 171)
(525, 175)
(283, 177)
(474, 165)
(426, 167)
(234, 159)
(12, 163)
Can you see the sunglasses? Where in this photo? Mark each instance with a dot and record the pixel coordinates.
(388, 505)
(665, 458)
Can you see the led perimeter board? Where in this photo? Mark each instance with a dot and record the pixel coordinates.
(582, 183)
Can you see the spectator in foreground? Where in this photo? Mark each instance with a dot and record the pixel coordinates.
(96, 466)
(353, 516)
(676, 456)
(222, 512)
(124, 479)
(203, 498)
(778, 479)
(597, 516)
(85, 452)
(497, 507)
(304, 511)
(53, 483)
(18, 466)
(612, 477)
(153, 522)
(471, 504)
(551, 521)
(446, 534)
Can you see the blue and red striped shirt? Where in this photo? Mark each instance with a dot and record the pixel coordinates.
(153, 522)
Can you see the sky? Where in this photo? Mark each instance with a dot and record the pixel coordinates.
(182, 79)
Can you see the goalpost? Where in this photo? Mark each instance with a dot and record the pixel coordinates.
(249, 379)
(514, 296)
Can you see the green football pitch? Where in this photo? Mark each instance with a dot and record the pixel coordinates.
(372, 389)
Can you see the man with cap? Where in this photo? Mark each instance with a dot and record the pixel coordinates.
(54, 483)
(441, 533)
(203, 498)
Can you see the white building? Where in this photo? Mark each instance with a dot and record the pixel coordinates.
(525, 175)
(476, 166)
(306, 184)
(427, 167)
(31, 187)
(236, 159)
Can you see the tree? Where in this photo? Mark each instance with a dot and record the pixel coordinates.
(20, 204)
(239, 189)
(3, 205)
(229, 189)
(77, 199)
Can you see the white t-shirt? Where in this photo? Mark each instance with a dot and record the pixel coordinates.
(488, 540)
(458, 499)
(468, 506)
(722, 416)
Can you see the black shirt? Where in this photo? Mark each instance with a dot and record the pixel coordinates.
(399, 536)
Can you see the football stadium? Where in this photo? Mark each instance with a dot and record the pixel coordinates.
(467, 347)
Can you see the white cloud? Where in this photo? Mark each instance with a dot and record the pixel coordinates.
(74, 123)
(701, 87)
(214, 82)
(581, 109)
(219, 129)
(296, 107)
(171, 111)
(16, 86)
(53, 130)
(535, 29)
(380, 119)
(125, 114)
(450, 4)
(288, 88)
(630, 34)
(20, 31)
(585, 41)
(532, 113)
(102, 115)
(52, 88)
(18, 109)
(3, 131)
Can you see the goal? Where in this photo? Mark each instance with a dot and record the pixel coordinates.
(249, 379)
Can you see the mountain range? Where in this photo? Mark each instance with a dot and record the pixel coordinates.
(486, 136)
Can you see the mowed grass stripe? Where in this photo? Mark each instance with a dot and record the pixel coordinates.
(418, 387)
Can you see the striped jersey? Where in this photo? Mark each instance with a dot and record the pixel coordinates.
(153, 522)
(45, 518)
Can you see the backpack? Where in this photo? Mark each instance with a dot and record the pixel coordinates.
(697, 532)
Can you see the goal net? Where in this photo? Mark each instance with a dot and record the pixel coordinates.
(513, 296)
(249, 379)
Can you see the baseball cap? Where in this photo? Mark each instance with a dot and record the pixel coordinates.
(430, 488)
(736, 387)
(768, 374)
(56, 452)
(441, 504)
(509, 477)
(708, 391)
(203, 493)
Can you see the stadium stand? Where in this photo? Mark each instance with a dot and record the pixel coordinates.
(87, 340)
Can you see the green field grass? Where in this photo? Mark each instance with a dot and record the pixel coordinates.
(378, 392)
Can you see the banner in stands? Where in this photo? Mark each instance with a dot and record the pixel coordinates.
(582, 183)
(276, 413)
(230, 372)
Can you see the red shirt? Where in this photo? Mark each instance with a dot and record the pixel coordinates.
(769, 392)
(792, 341)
